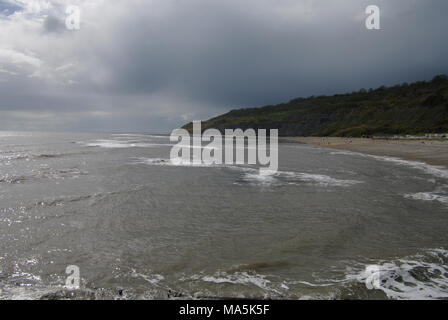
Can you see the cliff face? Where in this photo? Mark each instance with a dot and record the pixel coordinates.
(418, 108)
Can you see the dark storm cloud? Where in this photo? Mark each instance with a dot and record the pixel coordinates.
(155, 64)
(54, 24)
(231, 58)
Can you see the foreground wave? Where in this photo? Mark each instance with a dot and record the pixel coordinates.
(421, 276)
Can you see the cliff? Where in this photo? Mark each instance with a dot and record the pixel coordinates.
(416, 108)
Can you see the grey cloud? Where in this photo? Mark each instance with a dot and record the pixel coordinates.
(146, 66)
(53, 24)
(227, 57)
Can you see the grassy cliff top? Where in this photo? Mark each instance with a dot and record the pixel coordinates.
(417, 108)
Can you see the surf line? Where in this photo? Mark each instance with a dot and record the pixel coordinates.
(190, 149)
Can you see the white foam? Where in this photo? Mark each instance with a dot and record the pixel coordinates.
(117, 144)
(158, 137)
(5, 134)
(242, 278)
(438, 171)
(255, 176)
(128, 135)
(154, 279)
(344, 153)
(138, 136)
(25, 293)
(263, 178)
(288, 177)
(169, 162)
(417, 277)
(320, 179)
(239, 278)
(427, 196)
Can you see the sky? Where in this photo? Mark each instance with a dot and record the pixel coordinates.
(153, 65)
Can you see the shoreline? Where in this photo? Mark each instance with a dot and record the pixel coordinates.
(433, 152)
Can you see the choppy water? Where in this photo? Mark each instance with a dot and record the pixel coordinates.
(139, 227)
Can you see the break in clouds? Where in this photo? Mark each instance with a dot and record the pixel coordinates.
(152, 65)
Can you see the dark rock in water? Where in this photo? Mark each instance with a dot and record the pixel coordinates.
(69, 295)
(173, 294)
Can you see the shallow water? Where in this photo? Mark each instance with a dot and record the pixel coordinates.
(139, 227)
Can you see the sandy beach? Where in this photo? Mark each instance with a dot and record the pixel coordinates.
(434, 152)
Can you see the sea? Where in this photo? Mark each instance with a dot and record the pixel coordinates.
(138, 226)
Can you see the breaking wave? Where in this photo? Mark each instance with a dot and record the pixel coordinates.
(169, 162)
(423, 276)
(437, 171)
(428, 196)
(253, 175)
(288, 177)
(119, 144)
(251, 279)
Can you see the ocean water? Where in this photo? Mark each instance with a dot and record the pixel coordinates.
(139, 227)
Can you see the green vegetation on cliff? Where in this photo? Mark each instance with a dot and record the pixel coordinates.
(417, 108)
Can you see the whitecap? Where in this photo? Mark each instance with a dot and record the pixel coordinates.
(288, 177)
(438, 171)
(239, 278)
(118, 144)
(154, 279)
(417, 277)
(427, 196)
(169, 162)
(319, 179)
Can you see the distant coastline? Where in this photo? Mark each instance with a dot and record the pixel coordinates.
(406, 121)
(405, 109)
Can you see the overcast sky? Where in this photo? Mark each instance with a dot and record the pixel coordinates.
(152, 65)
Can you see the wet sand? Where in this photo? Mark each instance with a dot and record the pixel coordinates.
(434, 152)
